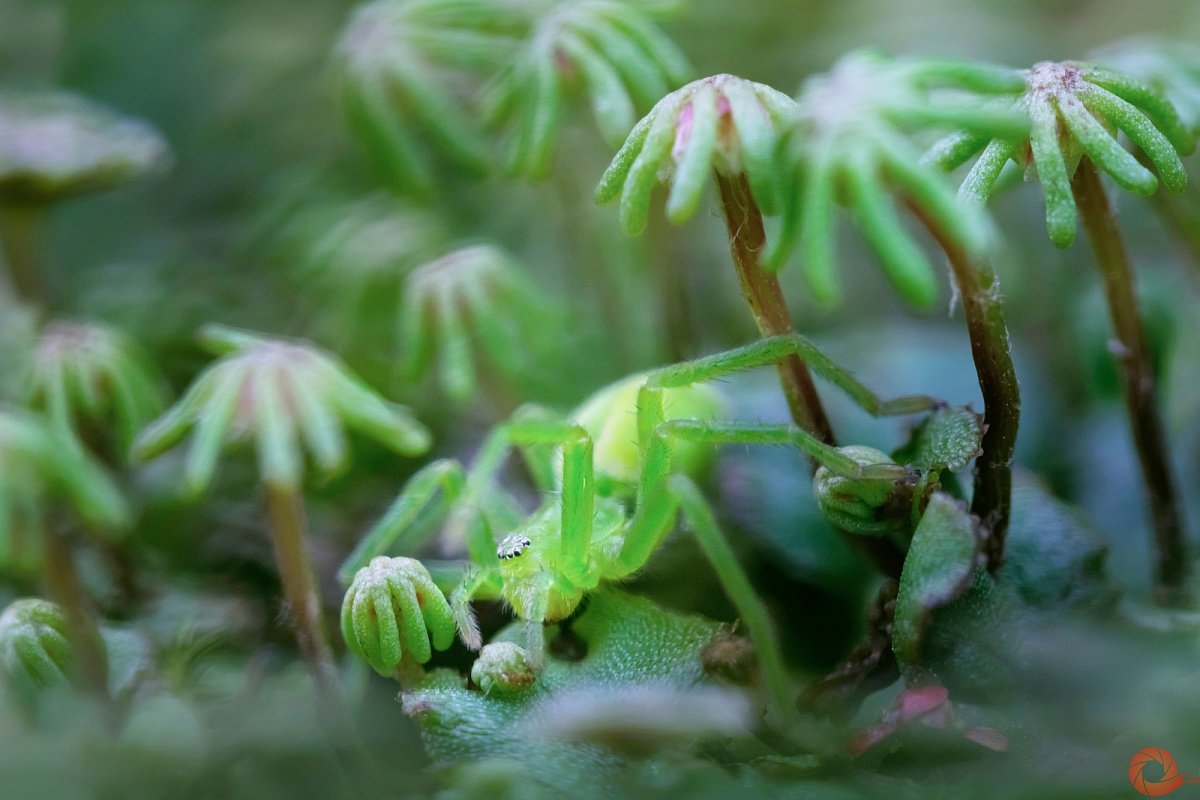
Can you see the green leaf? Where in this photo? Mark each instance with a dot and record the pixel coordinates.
(946, 439)
(1053, 557)
(631, 644)
(937, 569)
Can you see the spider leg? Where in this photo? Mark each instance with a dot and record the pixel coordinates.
(661, 494)
(536, 607)
(733, 579)
(654, 519)
(404, 515)
(767, 352)
(477, 584)
(578, 492)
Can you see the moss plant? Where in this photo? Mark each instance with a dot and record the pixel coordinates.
(94, 149)
(734, 571)
(284, 397)
(847, 142)
(87, 376)
(473, 296)
(44, 467)
(1073, 110)
(728, 125)
(401, 66)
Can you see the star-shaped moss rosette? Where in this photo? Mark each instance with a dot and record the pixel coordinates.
(36, 654)
(478, 295)
(722, 123)
(286, 397)
(1074, 110)
(86, 376)
(396, 65)
(847, 143)
(611, 49)
(54, 146)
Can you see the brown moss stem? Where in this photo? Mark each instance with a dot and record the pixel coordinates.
(1172, 559)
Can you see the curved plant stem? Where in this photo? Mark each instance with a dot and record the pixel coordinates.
(409, 673)
(19, 226)
(289, 528)
(743, 220)
(984, 313)
(1173, 563)
(761, 289)
(67, 591)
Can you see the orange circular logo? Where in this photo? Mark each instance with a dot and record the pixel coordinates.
(1171, 778)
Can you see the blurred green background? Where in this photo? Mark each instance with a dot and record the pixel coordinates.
(264, 167)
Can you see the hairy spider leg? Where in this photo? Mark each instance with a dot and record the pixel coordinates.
(417, 515)
(469, 499)
(477, 584)
(767, 352)
(533, 434)
(661, 494)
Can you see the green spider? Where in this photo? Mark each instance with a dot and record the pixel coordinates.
(607, 506)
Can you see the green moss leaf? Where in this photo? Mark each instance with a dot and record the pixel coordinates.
(632, 646)
(947, 439)
(937, 569)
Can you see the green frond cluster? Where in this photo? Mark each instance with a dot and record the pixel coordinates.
(1074, 110)
(393, 608)
(848, 144)
(40, 464)
(286, 396)
(843, 141)
(89, 374)
(723, 123)
(35, 648)
(476, 294)
(94, 148)
(395, 61)
(623, 61)
(457, 71)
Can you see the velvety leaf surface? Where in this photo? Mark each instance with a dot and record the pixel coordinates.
(948, 438)
(630, 644)
(938, 568)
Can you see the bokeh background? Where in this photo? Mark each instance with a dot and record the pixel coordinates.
(265, 168)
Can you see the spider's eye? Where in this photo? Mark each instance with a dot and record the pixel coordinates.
(512, 546)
